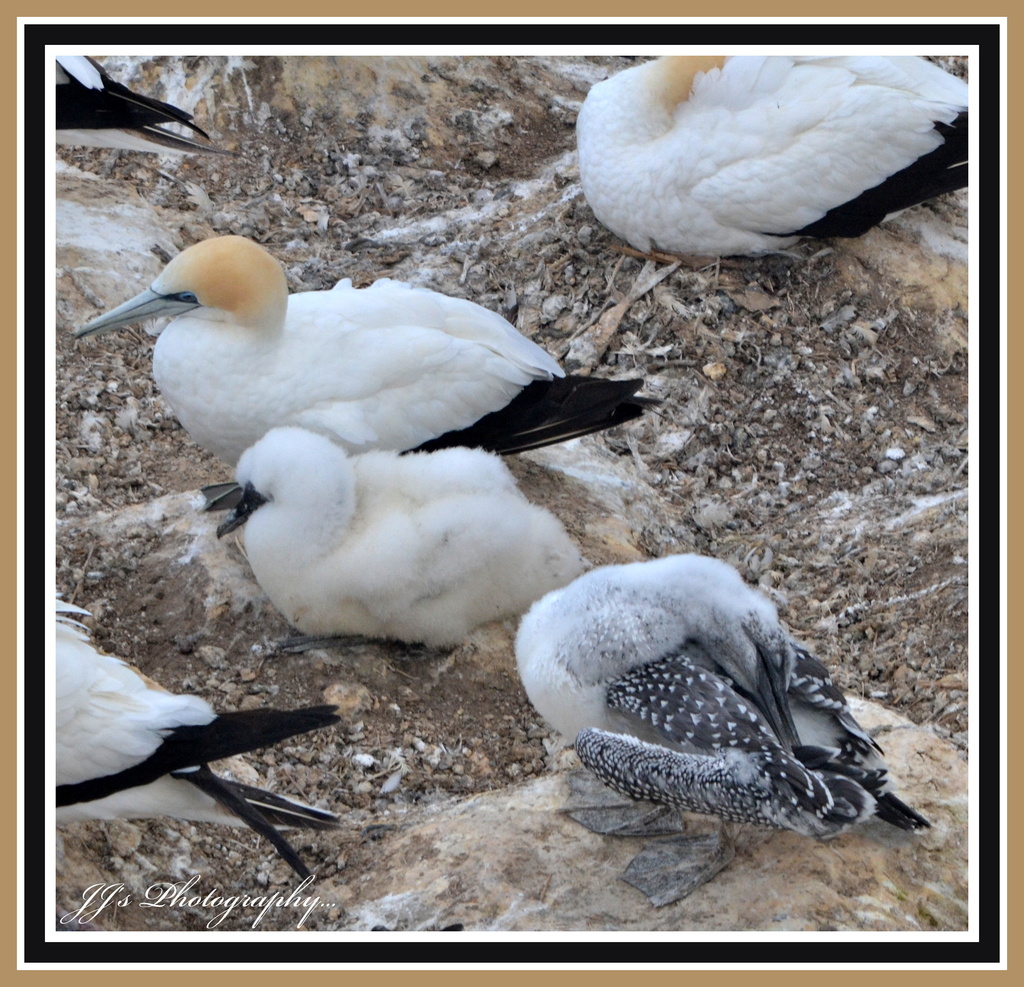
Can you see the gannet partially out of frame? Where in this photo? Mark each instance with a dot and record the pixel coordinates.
(95, 111)
(680, 686)
(418, 548)
(710, 155)
(128, 749)
(384, 367)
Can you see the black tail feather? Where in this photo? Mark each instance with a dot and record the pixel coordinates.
(281, 811)
(888, 807)
(893, 810)
(223, 792)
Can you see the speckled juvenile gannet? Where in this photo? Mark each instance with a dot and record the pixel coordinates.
(95, 111)
(713, 155)
(384, 367)
(419, 548)
(128, 749)
(680, 686)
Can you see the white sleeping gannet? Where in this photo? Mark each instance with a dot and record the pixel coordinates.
(128, 749)
(741, 155)
(680, 686)
(420, 548)
(384, 367)
(95, 111)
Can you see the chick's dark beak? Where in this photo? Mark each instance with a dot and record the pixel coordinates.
(251, 500)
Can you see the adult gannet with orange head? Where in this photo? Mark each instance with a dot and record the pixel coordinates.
(743, 155)
(95, 111)
(384, 367)
(128, 749)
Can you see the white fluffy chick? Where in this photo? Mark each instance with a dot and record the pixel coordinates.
(420, 547)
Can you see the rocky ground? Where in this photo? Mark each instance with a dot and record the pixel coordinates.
(812, 431)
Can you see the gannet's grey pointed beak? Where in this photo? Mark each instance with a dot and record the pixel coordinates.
(146, 305)
(251, 500)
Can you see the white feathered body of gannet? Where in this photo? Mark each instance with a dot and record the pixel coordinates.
(95, 111)
(384, 367)
(421, 548)
(679, 685)
(128, 749)
(741, 155)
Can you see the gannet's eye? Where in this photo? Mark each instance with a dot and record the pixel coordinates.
(186, 296)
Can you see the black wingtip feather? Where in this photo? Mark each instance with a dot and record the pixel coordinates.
(116, 107)
(549, 411)
(188, 746)
(541, 414)
(247, 730)
(941, 171)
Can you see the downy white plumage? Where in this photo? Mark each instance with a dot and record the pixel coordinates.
(128, 749)
(420, 548)
(384, 367)
(95, 111)
(679, 685)
(741, 155)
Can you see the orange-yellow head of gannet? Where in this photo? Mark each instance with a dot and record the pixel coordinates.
(233, 279)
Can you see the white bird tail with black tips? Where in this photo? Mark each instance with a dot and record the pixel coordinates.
(128, 749)
(260, 811)
(95, 111)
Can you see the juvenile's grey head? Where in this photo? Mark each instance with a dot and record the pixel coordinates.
(617, 617)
